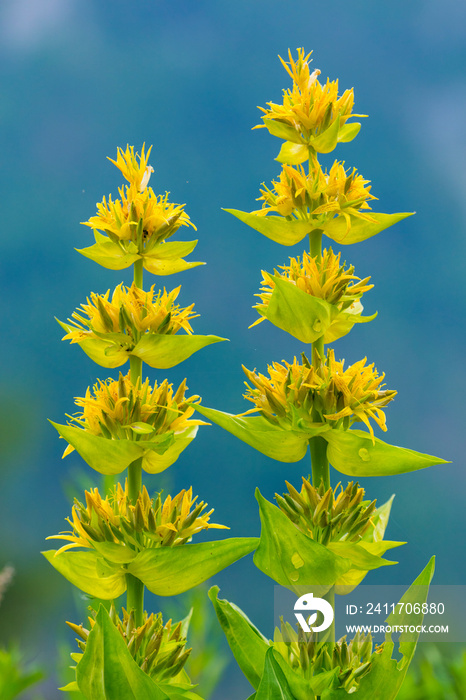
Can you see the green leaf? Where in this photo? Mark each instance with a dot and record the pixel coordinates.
(273, 685)
(360, 230)
(164, 351)
(301, 315)
(107, 670)
(359, 555)
(109, 255)
(111, 456)
(352, 452)
(293, 153)
(273, 441)
(248, 645)
(81, 569)
(141, 428)
(283, 131)
(115, 553)
(171, 250)
(169, 571)
(304, 688)
(327, 141)
(386, 674)
(153, 462)
(348, 132)
(161, 266)
(277, 228)
(290, 557)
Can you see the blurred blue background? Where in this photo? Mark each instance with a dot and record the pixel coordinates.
(83, 77)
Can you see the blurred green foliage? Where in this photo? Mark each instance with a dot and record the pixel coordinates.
(437, 674)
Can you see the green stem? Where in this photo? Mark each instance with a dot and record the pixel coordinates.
(315, 243)
(138, 273)
(319, 462)
(135, 587)
(135, 598)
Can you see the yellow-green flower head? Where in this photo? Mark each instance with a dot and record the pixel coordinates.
(117, 409)
(132, 312)
(145, 524)
(309, 109)
(318, 196)
(137, 225)
(157, 648)
(332, 515)
(308, 657)
(323, 277)
(297, 395)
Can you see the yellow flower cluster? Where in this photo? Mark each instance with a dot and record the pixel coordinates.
(309, 108)
(118, 409)
(319, 276)
(318, 194)
(120, 219)
(147, 523)
(131, 311)
(297, 395)
(158, 648)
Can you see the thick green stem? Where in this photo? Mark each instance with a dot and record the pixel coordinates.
(135, 598)
(135, 587)
(138, 273)
(319, 462)
(315, 243)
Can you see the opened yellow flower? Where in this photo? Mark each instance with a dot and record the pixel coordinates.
(145, 524)
(309, 109)
(116, 409)
(134, 167)
(132, 312)
(318, 196)
(297, 395)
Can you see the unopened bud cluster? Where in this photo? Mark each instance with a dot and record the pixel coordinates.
(332, 515)
(309, 657)
(158, 649)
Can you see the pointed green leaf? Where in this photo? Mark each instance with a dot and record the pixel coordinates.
(301, 315)
(164, 351)
(171, 570)
(283, 131)
(107, 670)
(81, 569)
(327, 141)
(352, 452)
(379, 522)
(359, 555)
(248, 645)
(110, 456)
(161, 266)
(104, 353)
(171, 250)
(273, 685)
(348, 132)
(386, 675)
(273, 441)
(290, 557)
(115, 553)
(109, 255)
(153, 462)
(277, 228)
(360, 230)
(306, 688)
(293, 153)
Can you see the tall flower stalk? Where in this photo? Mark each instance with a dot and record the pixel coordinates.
(323, 535)
(126, 541)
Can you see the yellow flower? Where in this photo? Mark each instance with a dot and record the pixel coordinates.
(134, 167)
(157, 648)
(309, 108)
(296, 395)
(145, 524)
(323, 277)
(116, 409)
(319, 196)
(131, 312)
